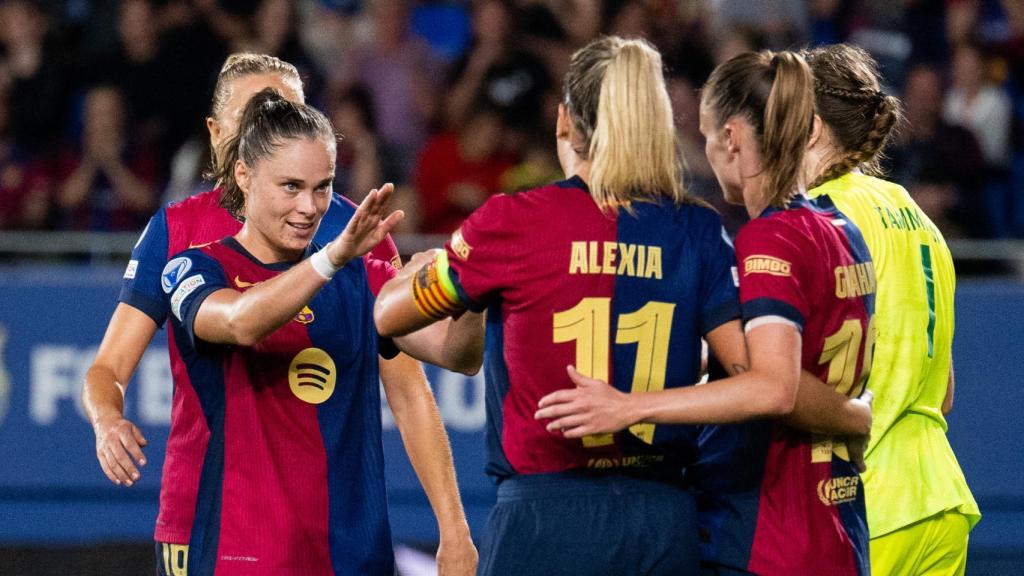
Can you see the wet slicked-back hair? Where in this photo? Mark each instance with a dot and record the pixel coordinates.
(849, 100)
(615, 94)
(773, 91)
(269, 120)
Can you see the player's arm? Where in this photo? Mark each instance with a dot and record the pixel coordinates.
(767, 389)
(140, 311)
(118, 442)
(414, 308)
(947, 402)
(227, 316)
(426, 444)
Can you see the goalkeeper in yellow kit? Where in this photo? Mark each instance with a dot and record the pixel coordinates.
(920, 509)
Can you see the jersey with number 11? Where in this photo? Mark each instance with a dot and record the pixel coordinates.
(624, 296)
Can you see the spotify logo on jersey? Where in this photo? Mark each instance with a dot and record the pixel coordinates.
(312, 376)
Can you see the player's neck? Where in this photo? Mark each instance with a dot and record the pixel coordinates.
(262, 249)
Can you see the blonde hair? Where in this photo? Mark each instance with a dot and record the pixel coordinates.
(239, 65)
(774, 92)
(615, 93)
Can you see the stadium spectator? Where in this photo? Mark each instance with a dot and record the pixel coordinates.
(25, 183)
(934, 150)
(40, 78)
(403, 79)
(496, 70)
(108, 181)
(457, 172)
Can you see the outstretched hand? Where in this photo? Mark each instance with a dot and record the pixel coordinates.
(367, 227)
(593, 407)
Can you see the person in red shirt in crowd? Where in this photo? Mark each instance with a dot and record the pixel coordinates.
(457, 172)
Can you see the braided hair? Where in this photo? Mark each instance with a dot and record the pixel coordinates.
(847, 97)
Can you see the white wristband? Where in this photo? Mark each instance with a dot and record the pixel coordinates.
(322, 264)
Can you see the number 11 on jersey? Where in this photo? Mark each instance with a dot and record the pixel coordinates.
(589, 325)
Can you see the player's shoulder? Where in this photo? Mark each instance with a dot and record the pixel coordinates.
(196, 205)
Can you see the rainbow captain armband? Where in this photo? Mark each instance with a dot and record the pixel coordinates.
(433, 291)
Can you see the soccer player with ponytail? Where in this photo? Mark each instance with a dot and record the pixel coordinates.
(920, 509)
(617, 274)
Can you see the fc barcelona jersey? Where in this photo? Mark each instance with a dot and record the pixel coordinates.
(780, 501)
(624, 297)
(292, 479)
(196, 221)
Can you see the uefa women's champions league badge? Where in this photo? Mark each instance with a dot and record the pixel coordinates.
(5, 377)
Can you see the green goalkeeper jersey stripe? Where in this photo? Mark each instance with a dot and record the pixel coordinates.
(912, 472)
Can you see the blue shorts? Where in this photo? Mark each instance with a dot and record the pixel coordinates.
(581, 524)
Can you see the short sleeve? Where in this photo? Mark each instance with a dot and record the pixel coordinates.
(141, 287)
(719, 292)
(769, 257)
(478, 253)
(188, 279)
(378, 271)
(387, 251)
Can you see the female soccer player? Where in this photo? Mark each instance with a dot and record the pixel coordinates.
(205, 218)
(920, 509)
(278, 341)
(622, 282)
(782, 504)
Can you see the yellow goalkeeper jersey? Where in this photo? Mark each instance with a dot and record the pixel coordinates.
(912, 472)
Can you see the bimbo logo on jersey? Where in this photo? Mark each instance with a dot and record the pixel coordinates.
(173, 272)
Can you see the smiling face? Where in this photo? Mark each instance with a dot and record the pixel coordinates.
(286, 195)
(722, 155)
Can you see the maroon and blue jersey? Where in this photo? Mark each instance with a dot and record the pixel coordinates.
(292, 479)
(192, 222)
(625, 297)
(780, 501)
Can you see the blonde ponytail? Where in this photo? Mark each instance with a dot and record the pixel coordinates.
(633, 151)
(615, 91)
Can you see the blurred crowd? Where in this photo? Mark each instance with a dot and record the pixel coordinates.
(102, 102)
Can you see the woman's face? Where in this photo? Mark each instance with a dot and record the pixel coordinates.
(722, 156)
(225, 125)
(287, 193)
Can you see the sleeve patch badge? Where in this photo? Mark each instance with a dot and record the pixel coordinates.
(762, 264)
(460, 247)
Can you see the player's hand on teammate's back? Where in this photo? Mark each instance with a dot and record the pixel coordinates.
(457, 557)
(857, 446)
(367, 228)
(593, 407)
(119, 446)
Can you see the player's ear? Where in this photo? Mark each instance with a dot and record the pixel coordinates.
(243, 176)
(564, 123)
(213, 127)
(817, 129)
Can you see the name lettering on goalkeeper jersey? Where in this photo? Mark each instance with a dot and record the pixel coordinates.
(637, 260)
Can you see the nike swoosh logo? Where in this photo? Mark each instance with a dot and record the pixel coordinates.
(191, 245)
(243, 284)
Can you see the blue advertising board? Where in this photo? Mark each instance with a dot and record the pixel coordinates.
(53, 491)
